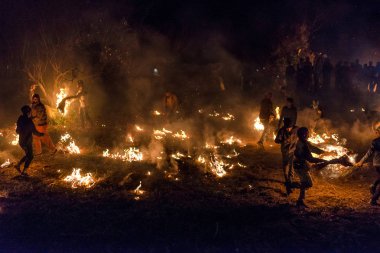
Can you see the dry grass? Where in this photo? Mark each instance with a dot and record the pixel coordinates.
(245, 211)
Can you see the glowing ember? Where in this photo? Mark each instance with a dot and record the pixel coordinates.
(15, 140)
(156, 113)
(166, 131)
(234, 154)
(130, 138)
(181, 135)
(201, 159)
(228, 117)
(138, 190)
(77, 180)
(214, 114)
(139, 128)
(178, 155)
(5, 164)
(258, 126)
(232, 140)
(209, 146)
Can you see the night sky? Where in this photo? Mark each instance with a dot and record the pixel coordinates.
(250, 30)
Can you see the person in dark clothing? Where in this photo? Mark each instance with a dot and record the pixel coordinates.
(326, 74)
(308, 73)
(290, 76)
(374, 150)
(302, 155)
(284, 138)
(266, 110)
(288, 111)
(25, 129)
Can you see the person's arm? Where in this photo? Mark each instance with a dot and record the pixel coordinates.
(309, 157)
(18, 127)
(367, 155)
(314, 149)
(279, 137)
(34, 130)
(281, 118)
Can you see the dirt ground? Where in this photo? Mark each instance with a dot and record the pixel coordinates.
(188, 210)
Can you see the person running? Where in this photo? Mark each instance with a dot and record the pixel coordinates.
(25, 129)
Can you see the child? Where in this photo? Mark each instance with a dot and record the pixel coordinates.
(302, 155)
(375, 151)
(26, 129)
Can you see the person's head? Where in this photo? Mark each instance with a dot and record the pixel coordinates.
(315, 104)
(289, 102)
(36, 99)
(377, 128)
(303, 133)
(26, 110)
(287, 123)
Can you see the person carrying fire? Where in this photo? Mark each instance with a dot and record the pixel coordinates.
(26, 129)
(266, 110)
(285, 136)
(303, 156)
(40, 120)
(170, 105)
(374, 150)
(288, 111)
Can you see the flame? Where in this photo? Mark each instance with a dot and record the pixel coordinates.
(334, 145)
(156, 113)
(5, 164)
(277, 113)
(178, 155)
(139, 128)
(217, 166)
(181, 135)
(138, 190)
(258, 126)
(67, 144)
(166, 131)
(228, 117)
(316, 139)
(201, 159)
(231, 140)
(60, 96)
(130, 155)
(209, 146)
(130, 138)
(214, 114)
(15, 140)
(77, 180)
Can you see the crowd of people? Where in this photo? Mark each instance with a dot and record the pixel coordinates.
(320, 74)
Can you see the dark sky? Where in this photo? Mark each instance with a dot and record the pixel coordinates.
(250, 29)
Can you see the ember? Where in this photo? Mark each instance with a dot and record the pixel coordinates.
(6, 164)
